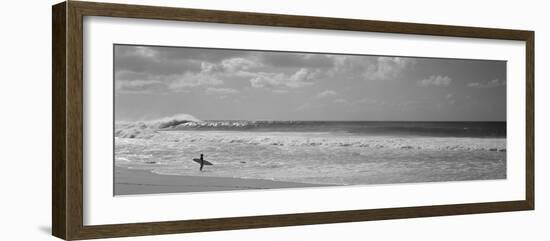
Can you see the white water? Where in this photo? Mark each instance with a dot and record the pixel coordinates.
(314, 157)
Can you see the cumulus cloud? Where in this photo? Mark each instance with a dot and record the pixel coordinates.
(488, 84)
(267, 79)
(169, 69)
(143, 69)
(238, 64)
(388, 68)
(127, 81)
(300, 78)
(435, 80)
(228, 66)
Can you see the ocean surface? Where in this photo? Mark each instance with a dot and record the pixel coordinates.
(320, 152)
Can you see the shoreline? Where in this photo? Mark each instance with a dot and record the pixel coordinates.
(135, 181)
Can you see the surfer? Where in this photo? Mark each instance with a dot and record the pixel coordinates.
(202, 162)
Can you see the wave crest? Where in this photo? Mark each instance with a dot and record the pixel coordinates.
(147, 129)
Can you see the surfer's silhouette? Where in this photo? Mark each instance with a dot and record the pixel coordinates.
(202, 162)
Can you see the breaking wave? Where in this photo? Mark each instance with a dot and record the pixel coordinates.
(184, 122)
(147, 129)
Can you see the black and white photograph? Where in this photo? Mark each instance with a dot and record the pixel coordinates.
(190, 119)
(275, 120)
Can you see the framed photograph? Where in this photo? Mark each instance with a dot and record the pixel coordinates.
(171, 120)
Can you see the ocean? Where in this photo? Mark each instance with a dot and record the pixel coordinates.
(318, 152)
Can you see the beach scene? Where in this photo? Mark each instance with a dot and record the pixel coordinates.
(200, 120)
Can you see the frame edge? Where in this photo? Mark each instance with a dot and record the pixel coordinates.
(67, 183)
(59, 174)
(74, 108)
(530, 119)
(294, 21)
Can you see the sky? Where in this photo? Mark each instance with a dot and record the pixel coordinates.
(221, 84)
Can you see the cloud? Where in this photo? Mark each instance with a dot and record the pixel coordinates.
(326, 94)
(228, 66)
(203, 78)
(221, 91)
(238, 64)
(266, 80)
(388, 68)
(298, 79)
(128, 81)
(141, 69)
(148, 60)
(371, 67)
(435, 80)
(183, 68)
(175, 69)
(165, 83)
(488, 84)
(137, 86)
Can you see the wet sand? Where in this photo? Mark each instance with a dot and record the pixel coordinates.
(132, 181)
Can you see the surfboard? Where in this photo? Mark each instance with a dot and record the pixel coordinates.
(207, 163)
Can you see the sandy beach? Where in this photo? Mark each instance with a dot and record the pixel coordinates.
(133, 181)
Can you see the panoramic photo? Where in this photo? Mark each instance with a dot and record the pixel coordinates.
(190, 119)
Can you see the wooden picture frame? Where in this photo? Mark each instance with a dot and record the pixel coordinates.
(67, 122)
